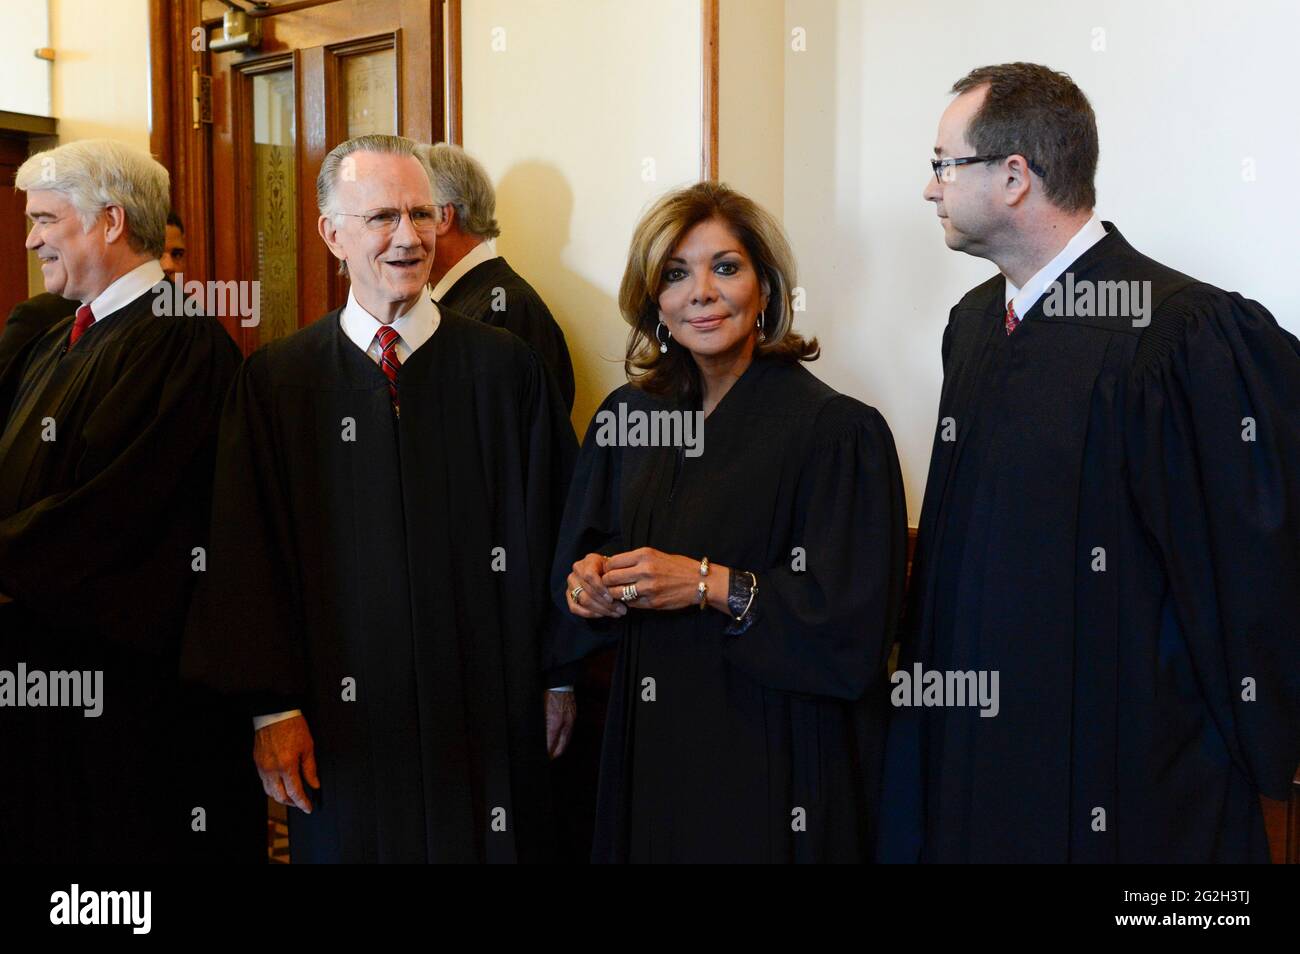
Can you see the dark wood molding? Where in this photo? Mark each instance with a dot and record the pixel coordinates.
(709, 90)
(160, 82)
(422, 110)
(455, 130)
(173, 139)
(26, 126)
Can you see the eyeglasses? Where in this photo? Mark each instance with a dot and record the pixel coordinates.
(940, 164)
(424, 218)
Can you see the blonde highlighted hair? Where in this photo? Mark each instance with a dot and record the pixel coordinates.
(661, 229)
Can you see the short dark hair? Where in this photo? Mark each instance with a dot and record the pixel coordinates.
(1039, 113)
(174, 219)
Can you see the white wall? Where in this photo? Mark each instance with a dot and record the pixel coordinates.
(98, 84)
(751, 91)
(587, 100)
(1185, 91)
(24, 79)
(101, 69)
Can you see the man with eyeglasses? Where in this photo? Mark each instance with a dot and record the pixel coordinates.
(388, 488)
(1111, 525)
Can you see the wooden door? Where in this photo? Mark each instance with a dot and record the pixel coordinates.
(13, 227)
(322, 73)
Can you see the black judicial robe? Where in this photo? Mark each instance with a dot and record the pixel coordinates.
(390, 581)
(1123, 734)
(747, 730)
(98, 527)
(28, 321)
(517, 308)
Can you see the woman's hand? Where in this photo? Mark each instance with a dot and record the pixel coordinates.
(593, 601)
(664, 581)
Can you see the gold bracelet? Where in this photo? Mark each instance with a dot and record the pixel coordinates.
(703, 590)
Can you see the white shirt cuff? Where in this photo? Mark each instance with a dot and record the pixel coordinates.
(560, 689)
(262, 721)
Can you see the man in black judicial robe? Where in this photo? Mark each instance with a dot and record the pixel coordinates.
(1111, 522)
(471, 278)
(28, 321)
(106, 452)
(389, 482)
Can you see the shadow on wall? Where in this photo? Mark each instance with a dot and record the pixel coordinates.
(535, 211)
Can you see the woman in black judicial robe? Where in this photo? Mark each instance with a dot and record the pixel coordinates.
(750, 730)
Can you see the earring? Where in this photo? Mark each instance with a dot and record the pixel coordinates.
(762, 335)
(663, 345)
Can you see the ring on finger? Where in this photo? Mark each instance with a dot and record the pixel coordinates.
(629, 593)
(576, 593)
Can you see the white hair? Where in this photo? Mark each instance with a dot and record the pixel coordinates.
(96, 173)
(458, 179)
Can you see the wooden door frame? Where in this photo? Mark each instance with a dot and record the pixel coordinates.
(185, 147)
(709, 89)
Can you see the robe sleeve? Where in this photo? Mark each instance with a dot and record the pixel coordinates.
(550, 451)
(138, 445)
(1213, 443)
(591, 524)
(827, 628)
(527, 317)
(245, 635)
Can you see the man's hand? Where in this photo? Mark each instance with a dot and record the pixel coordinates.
(279, 751)
(561, 711)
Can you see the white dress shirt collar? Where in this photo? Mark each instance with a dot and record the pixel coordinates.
(1025, 298)
(480, 253)
(126, 289)
(414, 327)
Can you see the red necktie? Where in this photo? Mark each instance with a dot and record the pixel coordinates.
(1013, 320)
(83, 321)
(388, 361)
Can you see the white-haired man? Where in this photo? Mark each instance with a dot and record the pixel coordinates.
(468, 274)
(105, 476)
(389, 486)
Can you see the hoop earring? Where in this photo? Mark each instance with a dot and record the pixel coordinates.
(663, 345)
(762, 335)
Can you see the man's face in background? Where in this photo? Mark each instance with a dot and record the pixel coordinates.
(173, 257)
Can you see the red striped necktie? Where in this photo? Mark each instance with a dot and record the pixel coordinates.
(83, 321)
(1013, 320)
(388, 360)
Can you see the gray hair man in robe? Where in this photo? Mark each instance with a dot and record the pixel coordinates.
(388, 492)
(110, 412)
(469, 275)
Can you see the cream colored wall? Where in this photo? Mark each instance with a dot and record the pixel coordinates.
(100, 84)
(24, 79)
(1186, 93)
(99, 81)
(583, 112)
(751, 95)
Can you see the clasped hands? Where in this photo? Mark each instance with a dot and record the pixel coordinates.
(663, 581)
